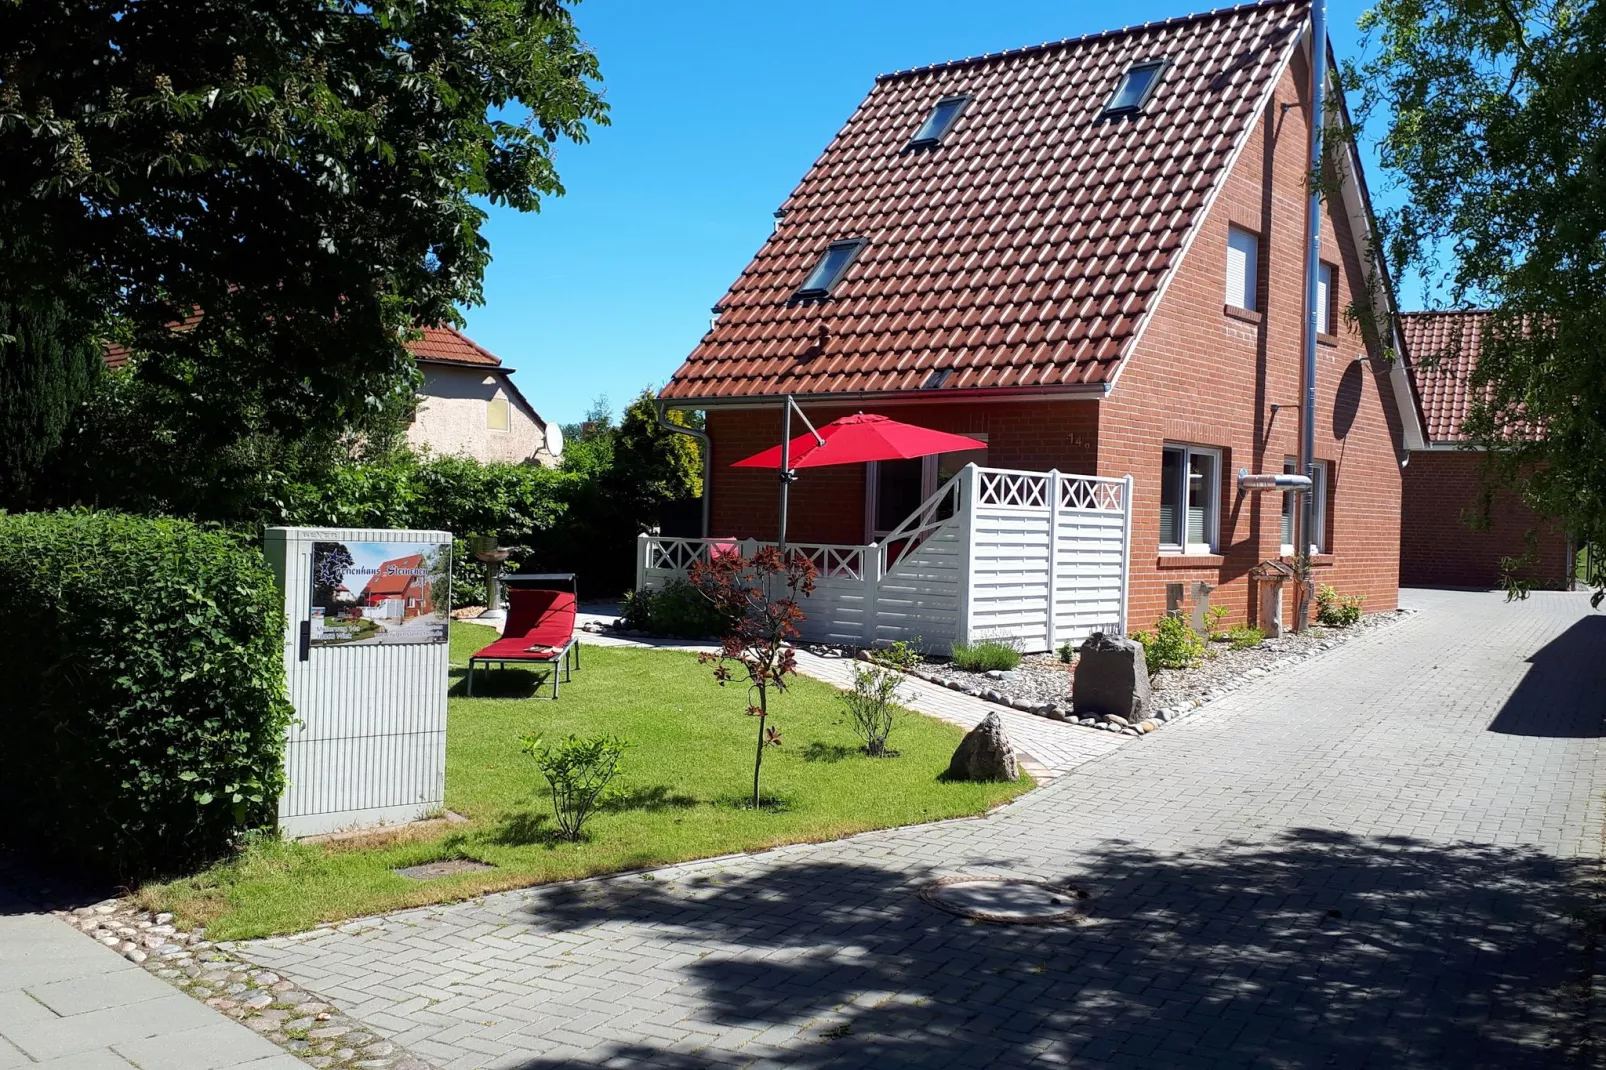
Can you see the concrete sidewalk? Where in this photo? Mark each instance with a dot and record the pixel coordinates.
(68, 1003)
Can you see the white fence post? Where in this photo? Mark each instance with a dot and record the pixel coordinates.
(871, 575)
(643, 549)
(1053, 551)
(1126, 549)
(966, 505)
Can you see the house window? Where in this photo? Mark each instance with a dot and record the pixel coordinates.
(498, 414)
(895, 489)
(1318, 540)
(940, 121)
(1190, 493)
(1136, 86)
(1243, 268)
(1325, 319)
(830, 268)
(898, 488)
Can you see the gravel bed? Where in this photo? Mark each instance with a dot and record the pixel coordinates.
(1041, 684)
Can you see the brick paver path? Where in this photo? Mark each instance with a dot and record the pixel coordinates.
(1383, 857)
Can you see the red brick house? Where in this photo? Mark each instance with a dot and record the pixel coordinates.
(1089, 254)
(1454, 531)
(402, 579)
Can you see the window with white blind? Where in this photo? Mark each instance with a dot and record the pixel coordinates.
(1190, 495)
(1243, 268)
(1324, 300)
(1291, 501)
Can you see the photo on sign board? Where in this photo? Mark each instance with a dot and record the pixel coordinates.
(380, 593)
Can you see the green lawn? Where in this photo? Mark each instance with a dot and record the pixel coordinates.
(685, 793)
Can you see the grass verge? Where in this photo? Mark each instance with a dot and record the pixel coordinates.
(683, 793)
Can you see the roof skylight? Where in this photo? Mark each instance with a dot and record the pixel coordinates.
(829, 270)
(940, 121)
(1135, 88)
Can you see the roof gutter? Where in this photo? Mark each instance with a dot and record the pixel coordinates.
(664, 422)
(1077, 392)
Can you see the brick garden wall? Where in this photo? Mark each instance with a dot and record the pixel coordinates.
(1438, 549)
(1203, 377)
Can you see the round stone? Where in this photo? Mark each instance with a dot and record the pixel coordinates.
(1006, 900)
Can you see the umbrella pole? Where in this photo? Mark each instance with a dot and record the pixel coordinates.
(786, 464)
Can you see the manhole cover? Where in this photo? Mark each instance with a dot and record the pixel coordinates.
(431, 870)
(1006, 900)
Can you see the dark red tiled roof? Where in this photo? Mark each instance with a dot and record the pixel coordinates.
(1443, 347)
(1022, 252)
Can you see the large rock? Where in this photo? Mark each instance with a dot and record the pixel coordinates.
(984, 754)
(1112, 677)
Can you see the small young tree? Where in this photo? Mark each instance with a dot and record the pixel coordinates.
(872, 705)
(759, 597)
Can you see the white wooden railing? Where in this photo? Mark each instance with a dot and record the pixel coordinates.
(1038, 557)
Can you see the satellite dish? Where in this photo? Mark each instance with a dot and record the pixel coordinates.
(554, 440)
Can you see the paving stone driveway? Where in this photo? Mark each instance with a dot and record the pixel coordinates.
(1378, 858)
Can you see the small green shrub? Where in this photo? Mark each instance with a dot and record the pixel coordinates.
(872, 705)
(1337, 610)
(1066, 652)
(985, 655)
(142, 689)
(1172, 645)
(578, 771)
(1245, 636)
(1213, 618)
(901, 655)
(677, 609)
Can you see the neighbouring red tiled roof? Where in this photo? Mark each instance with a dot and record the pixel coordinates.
(1443, 347)
(445, 345)
(448, 345)
(1022, 252)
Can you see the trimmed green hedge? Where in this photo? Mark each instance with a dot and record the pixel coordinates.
(142, 689)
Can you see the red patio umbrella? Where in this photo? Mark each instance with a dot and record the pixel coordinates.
(850, 440)
(860, 438)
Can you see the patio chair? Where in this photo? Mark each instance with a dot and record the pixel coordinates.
(540, 628)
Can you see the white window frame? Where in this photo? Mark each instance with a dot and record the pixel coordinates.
(1319, 517)
(928, 486)
(1251, 272)
(1213, 509)
(1325, 275)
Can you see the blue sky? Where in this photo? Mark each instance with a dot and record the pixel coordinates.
(719, 107)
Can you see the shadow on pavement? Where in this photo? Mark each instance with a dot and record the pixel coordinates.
(1319, 949)
(1564, 692)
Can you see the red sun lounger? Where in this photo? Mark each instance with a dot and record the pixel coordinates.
(540, 628)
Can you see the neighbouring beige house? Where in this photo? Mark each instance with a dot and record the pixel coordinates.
(470, 407)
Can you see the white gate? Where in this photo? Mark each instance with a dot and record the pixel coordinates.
(1037, 557)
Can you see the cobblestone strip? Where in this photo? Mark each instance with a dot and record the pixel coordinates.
(272, 1006)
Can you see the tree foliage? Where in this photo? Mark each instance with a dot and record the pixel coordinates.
(626, 475)
(263, 196)
(757, 597)
(48, 365)
(1495, 132)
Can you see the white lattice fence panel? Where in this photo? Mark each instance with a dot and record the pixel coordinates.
(1009, 588)
(1089, 587)
(999, 488)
